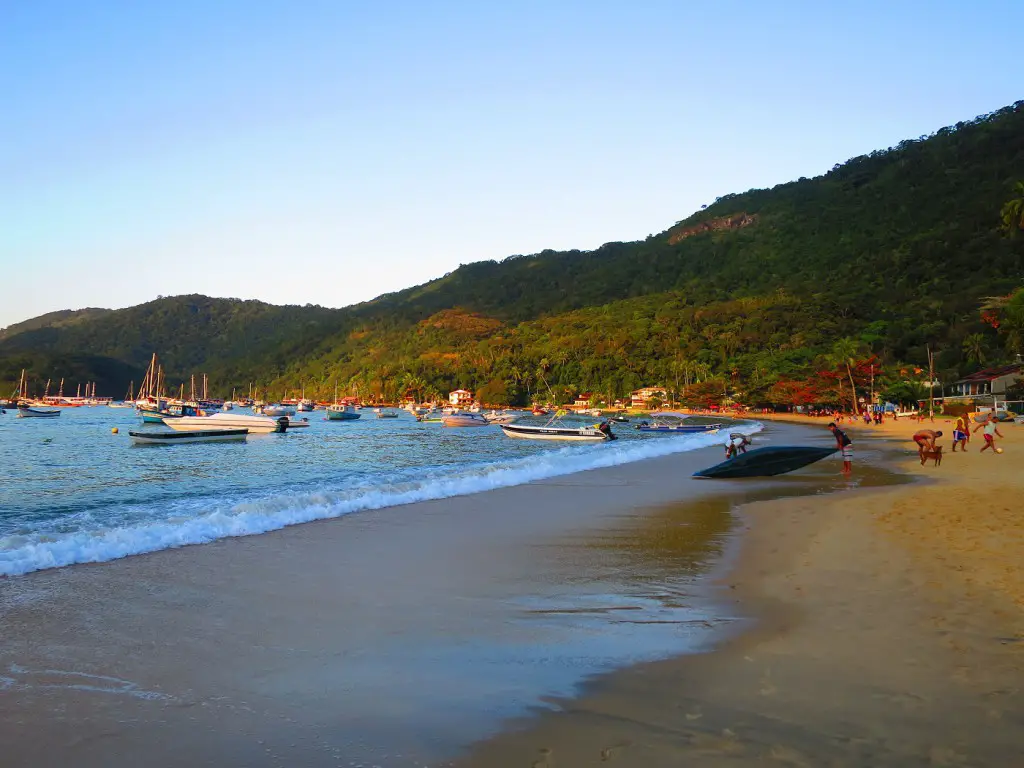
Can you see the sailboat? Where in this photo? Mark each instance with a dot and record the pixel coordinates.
(23, 409)
(129, 399)
(304, 403)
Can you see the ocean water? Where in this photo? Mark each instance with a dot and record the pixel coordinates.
(73, 492)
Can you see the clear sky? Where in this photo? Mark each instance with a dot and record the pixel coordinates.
(328, 151)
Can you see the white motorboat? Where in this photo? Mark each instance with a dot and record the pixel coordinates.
(500, 418)
(253, 423)
(197, 436)
(580, 434)
(674, 421)
(276, 411)
(464, 420)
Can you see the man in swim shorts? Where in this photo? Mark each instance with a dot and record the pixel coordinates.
(991, 427)
(925, 439)
(844, 444)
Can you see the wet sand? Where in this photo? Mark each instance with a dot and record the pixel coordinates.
(890, 632)
(394, 638)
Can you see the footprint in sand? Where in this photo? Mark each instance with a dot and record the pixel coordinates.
(612, 750)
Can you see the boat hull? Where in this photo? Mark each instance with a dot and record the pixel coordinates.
(685, 428)
(766, 462)
(34, 413)
(582, 434)
(464, 420)
(255, 424)
(342, 415)
(197, 436)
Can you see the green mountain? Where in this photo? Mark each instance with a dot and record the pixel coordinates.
(883, 255)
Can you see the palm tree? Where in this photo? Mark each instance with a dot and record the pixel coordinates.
(1013, 210)
(843, 352)
(974, 348)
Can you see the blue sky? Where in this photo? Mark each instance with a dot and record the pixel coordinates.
(326, 152)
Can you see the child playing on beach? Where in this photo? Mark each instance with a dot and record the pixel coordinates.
(991, 427)
(844, 444)
(960, 433)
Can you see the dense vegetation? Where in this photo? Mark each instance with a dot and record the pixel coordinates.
(781, 295)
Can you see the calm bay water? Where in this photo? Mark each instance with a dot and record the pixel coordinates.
(73, 492)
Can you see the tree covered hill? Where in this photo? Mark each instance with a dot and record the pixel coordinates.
(889, 252)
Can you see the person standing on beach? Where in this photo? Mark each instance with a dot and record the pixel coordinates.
(925, 439)
(991, 427)
(844, 444)
(960, 434)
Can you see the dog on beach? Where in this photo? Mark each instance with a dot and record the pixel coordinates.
(935, 455)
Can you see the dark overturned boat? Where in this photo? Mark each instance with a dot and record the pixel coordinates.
(765, 462)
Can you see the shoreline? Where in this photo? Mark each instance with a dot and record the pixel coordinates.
(886, 629)
(412, 630)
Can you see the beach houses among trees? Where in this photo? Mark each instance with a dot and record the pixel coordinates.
(460, 398)
(645, 397)
(987, 383)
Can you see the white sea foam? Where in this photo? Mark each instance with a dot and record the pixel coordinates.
(32, 552)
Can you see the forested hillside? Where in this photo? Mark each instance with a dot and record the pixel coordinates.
(763, 290)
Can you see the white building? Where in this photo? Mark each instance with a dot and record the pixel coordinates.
(641, 397)
(460, 397)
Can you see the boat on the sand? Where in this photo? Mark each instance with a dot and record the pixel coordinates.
(767, 462)
(196, 436)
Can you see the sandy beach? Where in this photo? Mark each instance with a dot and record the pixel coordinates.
(890, 632)
(868, 624)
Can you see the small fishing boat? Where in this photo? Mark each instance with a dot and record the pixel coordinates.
(294, 423)
(195, 436)
(150, 416)
(340, 412)
(464, 420)
(593, 434)
(382, 414)
(35, 413)
(766, 462)
(221, 420)
(672, 421)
